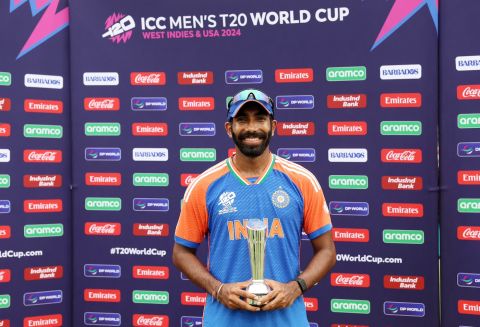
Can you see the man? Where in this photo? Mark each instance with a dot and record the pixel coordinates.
(254, 183)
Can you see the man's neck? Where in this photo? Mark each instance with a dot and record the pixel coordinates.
(252, 167)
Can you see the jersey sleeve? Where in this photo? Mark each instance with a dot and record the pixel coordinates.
(316, 219)
(192, 224)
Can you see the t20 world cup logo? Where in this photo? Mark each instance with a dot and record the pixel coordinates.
(119, 28)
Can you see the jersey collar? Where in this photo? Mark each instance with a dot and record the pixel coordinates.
(245, 181)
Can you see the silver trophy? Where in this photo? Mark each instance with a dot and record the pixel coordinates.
(257, 238)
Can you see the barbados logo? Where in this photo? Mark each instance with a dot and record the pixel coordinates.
(226, 200)
(280, 199)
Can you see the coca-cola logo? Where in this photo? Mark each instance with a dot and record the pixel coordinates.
(149, 320)
(350, 280)
(402, 155)
(110, 104)
(187, 179)
(42, 156)
(102, 229)
(147, 78)
(468, 92)
(468, 233)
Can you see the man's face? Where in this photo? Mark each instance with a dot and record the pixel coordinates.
(251, 130)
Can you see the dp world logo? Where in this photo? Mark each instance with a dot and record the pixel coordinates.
(118, 28)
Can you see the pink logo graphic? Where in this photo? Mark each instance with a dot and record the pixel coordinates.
(118, 28)
(50, 24)
(401, 12)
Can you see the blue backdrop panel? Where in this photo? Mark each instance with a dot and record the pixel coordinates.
(35, 242)
(460, 199)
(355, 87)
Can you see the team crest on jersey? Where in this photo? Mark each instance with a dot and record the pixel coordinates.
(226, 200)
(280, 199)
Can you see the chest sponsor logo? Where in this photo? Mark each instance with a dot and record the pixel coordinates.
(350, 306)
(349, 182)
(187, 179)
(5, 104)
(5, 79)
(102, 129)
(4, 181)
(103, 204)
(395, 236)
(468, 280)
(43, 106)
(4, 155)
(346, 101)
(42, 181)
(351, 235)
(405, 210)
(468, 177)
(5, 206)
(101, 79)
(195, 78)
(5, 130)
(468, 205)
(102, 271)
(150, 179)
(103, 229)
(5, 276)
(191, 321)
(39, 206)
(103, 154)
(226, 201)
(405, 128)
(344, 74)
(44, 81)
(196, 129)
(198, 154)
(343, 208)
(147, 78)
(294, 102)
(101, 104)
(145, 229)
(402, 183)
(353, 128)
(467, 63)
(295, 75)
(404, 309)
(400, 100)
(469, 307)
(400, 72)
(297, 154)
(150, 297)
(149, 129)
(103, 179)
(416, 283)
(42, 131)
(468, 149)
(468, 233)
(148, 104)
(149, 320)
(244, 76)
(43, 230)
(151, 204)
(150, 272)
(347, 155)
(194, 104)
(296, 128)
(150, 154)
(55, 320)
(350, 280)
(468, 92)
(311, 304)
(42, 298)
(43, 273)
(101, 295)
(102, 319)
(5, 232)
(193, 299)
(401, 155)
(465, 121)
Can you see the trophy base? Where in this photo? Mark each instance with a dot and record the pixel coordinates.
(260, 289)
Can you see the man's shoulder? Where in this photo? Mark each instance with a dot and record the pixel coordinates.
(297, 173)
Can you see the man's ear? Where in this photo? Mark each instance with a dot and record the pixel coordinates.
(228, 129)
(274, 126)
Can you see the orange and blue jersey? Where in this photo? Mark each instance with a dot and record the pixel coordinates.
(218, 205)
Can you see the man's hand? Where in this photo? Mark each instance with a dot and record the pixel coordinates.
(234, 296)
(281, 296)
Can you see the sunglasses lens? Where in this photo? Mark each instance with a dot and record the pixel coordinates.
(248, 94)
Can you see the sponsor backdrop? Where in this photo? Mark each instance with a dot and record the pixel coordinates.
(35, 232)
(460, 197)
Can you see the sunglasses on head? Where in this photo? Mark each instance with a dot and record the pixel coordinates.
(249, 95)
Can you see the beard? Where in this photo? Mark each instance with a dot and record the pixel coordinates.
(248, 150)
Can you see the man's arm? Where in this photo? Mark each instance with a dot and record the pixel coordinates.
(323, 260)
(230, 294)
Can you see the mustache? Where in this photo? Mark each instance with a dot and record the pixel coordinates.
(259, 135)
